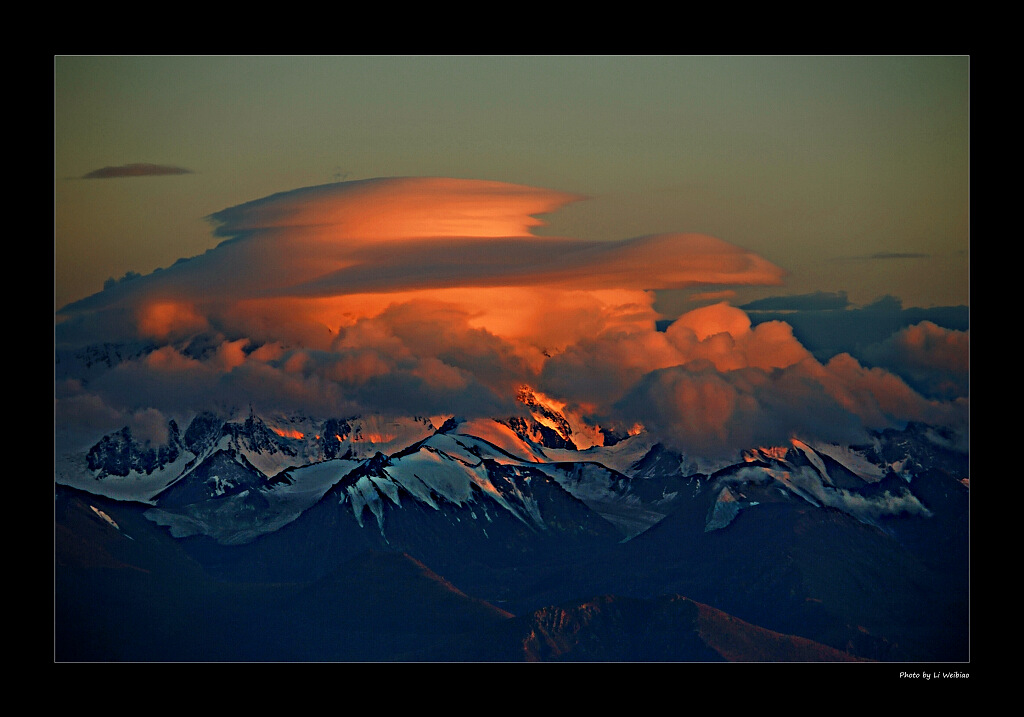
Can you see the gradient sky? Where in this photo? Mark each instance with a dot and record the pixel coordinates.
(849, 173)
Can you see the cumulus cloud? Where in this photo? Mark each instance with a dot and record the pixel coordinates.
(716, 383)
(424, 296)
(932, 359)
(702, 411)
(135, 170)
(881, 399)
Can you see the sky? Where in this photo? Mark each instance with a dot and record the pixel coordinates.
(850, 172)
(650, 239)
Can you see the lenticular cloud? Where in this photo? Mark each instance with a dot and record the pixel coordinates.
(341, 252)
(428, 296)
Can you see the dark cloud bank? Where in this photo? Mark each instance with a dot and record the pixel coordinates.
(827, 324)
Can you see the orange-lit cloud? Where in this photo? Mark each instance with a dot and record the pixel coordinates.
(723, 335)
(162, 319)
(386, 237)
(396, 209)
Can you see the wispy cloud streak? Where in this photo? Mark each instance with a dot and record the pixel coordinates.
(135, 170)
(899, 255)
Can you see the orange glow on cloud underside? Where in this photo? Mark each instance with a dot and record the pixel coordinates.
(545, 317)
(160, 319)
(656, 262)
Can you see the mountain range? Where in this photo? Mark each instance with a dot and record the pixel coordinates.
(251, 537)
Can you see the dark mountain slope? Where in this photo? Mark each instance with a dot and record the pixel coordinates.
(612, 628)
(797, 569)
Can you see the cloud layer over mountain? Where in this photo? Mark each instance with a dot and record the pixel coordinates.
(432, 296)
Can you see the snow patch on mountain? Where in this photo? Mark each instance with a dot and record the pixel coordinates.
(137, 486)
(363, 493)
(854, 459)
(472, 449)
(814, 459)
(811, 484)
(724, 510)
(308, 484)
(430, 475)
(500, 435)
(238, 519)
(104, 516)
(628, 453)
(387, 434)
(619, 457)
(219, 486)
